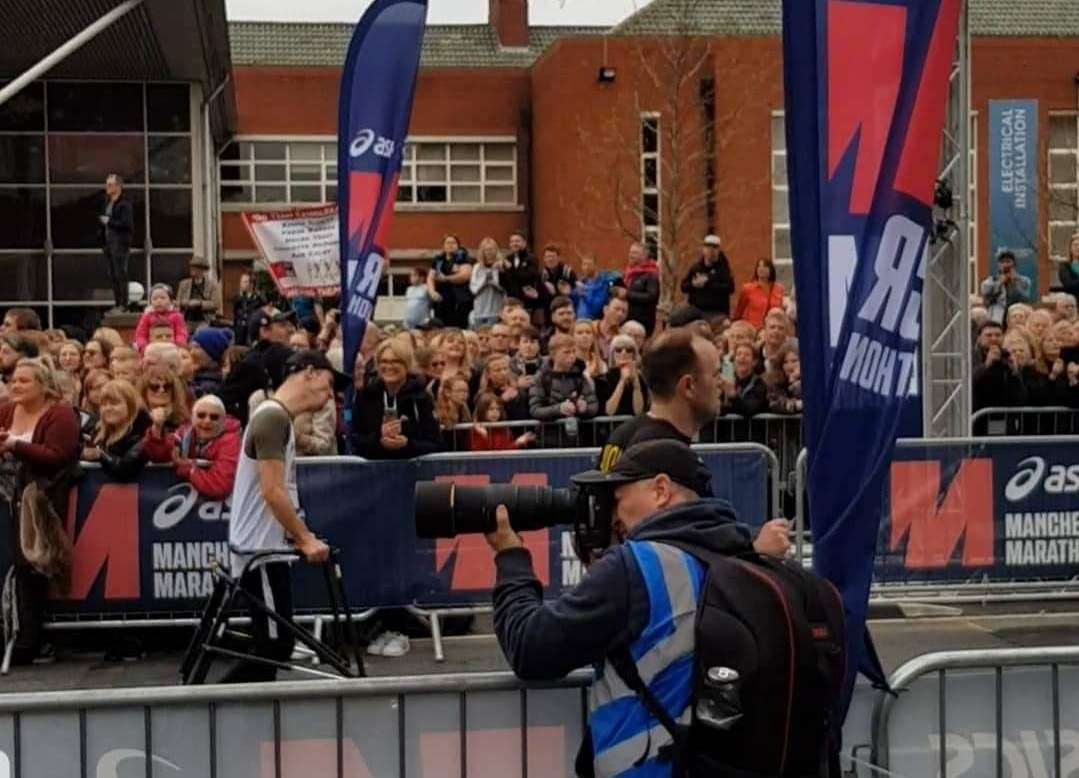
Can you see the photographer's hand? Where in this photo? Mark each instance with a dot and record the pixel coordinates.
(503, 537)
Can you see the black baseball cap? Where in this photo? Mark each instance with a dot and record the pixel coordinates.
(647, 460)
(263, 318)
(306, 358)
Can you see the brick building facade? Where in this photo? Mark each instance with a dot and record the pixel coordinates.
(514, 128)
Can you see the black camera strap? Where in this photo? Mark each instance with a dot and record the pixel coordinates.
(622, 663)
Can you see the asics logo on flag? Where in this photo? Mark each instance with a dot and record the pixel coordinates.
(367, 140)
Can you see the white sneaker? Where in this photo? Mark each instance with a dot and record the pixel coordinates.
(378, 645)
(396, 645)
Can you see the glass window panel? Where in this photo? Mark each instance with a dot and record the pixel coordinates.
(1059, 238)
(23, 277)
(95, 107)
(306, 172)
(431, 194)
(245, 149)
(22, 159)
(780, 207)
(499, 173)
(88, 159)
(466, 194)
(231, 152)
(782, 237)
(1062, 168)
(779, 169)
(430, 152)
(331, 172)
(269, 172)
(466, 152)
(168, 107)
(431, 172)
(1063, 205)
(500, 152)
(269, 151)
(270, 194)
(237, 173)
(170, 160)
(500, 194)
(651, 172)
(85, 276)
(649, 135)
(650, 205)
(24, 217)
(305, 152)
(465, 173)
(169, 269)
(785, 273)
(171, 218)
(404, 194)
(779, 133)
(407, 173)
(306, 194)
(1062, 132)
(331, 194)
(237, 194)
(74, 216)
(25, 111)
(330, 150)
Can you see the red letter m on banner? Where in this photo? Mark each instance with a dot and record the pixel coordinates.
(937, 522)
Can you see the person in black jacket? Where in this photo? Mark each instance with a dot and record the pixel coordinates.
(998, 383)
(642, 287)
(263, 367)
(117, 441)
(244, 306)
(520, 276)
(393, 417)
(557, 279)
(708, 285)
(448, 284)
(117, 227)
(747, 394)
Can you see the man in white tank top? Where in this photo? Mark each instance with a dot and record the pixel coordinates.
(266, 512)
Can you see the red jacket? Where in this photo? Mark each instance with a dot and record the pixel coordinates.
(222, 455)
(496, 439)
(754, 303)
(150, 318)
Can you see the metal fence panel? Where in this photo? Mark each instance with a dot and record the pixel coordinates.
(434, 744)
(116, 742)
(371, 728)
(180, 736)
(308, 734)
(49, 745)
(244, 739)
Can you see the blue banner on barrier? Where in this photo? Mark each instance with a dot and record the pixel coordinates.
(1000, 513)
(146, 548)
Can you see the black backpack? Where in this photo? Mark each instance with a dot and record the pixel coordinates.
(781, 629)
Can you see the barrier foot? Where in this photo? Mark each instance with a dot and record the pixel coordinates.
(318, 636)
(436, 637)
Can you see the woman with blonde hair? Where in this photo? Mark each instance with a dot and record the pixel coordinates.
(584, 344)
(164, 397)
(39, 451)
(452, 346)
(488, 294)
(451, 405)
(117, 440)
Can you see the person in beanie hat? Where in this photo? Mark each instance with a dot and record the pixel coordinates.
(208, 346)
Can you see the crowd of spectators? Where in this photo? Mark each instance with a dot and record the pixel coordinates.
(1026, 351)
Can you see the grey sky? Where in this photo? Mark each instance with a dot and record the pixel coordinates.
(541, 12)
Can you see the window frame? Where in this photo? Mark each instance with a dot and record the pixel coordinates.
(1052, 185)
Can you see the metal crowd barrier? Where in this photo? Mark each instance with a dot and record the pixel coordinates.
(1025, 421)
(942, 722)
(478, 724)
(584, 433)
(780, 432)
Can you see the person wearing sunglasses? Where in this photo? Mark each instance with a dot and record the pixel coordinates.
(622, 390)
(164, 397)
(208, 449)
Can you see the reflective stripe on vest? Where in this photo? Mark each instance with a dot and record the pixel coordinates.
(622, 729)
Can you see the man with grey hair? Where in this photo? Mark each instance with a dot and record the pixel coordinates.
(117, 226)
(164, 354)
(1065, 309)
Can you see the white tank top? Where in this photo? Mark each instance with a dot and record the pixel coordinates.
(252, 526)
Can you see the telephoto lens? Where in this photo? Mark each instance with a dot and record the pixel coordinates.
(446, 510)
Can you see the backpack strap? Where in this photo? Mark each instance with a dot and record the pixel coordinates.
(622, 663)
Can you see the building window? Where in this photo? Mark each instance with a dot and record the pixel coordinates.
(651, 182)
(782, 254)
(434, 172)
(1063, 182)
(58, 142)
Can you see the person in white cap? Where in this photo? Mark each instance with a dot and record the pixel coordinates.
(708, 285)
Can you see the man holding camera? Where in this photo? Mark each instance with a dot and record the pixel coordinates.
(640, 595)
(1005, 289)
(266, 506)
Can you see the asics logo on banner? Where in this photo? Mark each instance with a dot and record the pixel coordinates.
(1058, 479)
(367, 140)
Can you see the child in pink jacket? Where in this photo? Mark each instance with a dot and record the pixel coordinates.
(161, 313)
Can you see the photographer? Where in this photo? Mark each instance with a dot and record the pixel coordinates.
(1005, 289)
(654, 487)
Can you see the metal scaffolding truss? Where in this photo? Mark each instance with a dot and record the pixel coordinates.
(946, 345)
